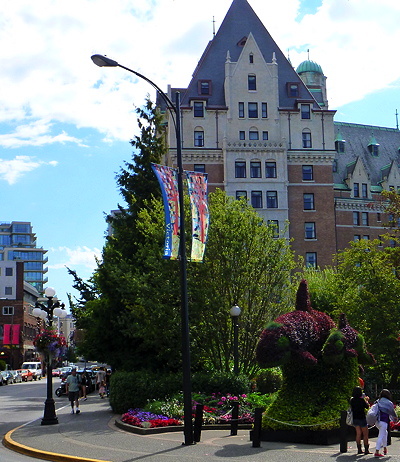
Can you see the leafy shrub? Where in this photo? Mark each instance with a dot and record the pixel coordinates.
(3, 365)
(130, 390)
(268, 380)
(220, 382)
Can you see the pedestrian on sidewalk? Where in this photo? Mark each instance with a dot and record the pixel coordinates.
(359, 405)
(72, 388)
(101, 381)
(386, 414)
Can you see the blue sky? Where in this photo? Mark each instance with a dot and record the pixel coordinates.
(65, 124)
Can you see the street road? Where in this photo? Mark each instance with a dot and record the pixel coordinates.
(21, 403)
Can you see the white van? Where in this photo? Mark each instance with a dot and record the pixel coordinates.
(35, 367)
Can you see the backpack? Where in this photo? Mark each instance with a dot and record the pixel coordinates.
(373, 414)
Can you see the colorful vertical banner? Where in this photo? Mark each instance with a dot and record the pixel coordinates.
(11, 334)
(197, 186)
(168, 179)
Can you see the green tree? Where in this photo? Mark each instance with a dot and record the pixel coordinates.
(244, 264)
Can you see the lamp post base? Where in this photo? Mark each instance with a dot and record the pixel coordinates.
(49, 417)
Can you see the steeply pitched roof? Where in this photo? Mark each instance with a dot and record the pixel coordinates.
(358, 138)
(239, 21)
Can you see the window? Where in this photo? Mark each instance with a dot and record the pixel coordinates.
(264, 110)
(256, 199)
(339, 146)
(272, 199)
(255, 169)
(251, 58)
(204, 87)
(293, 90)
(364, 219)
(8, 310)
(305, 111)
(274, 224)
(356, 190)
(241, 110)
(356, 218)
(378, 217)
(356, 237)
(253, 110)
(309, 230)
(8, 291)
(9, 271)
(334, 166)
(251, 82)
(240, 169)
(308, 173)
(242, 135)
(265, 135)
(270, 169)
(241, 195)
(311, 259)
(364, 189)
(307, 139)
(253, 135)
(374, 149)
(366, 237)
(201, 168)
(198, 107)
(308, 201)
(198, 139)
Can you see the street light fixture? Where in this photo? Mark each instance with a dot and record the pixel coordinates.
(46, 312)
(175, 111)
(235, 313)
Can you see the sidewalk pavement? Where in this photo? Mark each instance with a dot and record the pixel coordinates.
(93, 436)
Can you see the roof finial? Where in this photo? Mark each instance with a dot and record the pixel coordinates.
(213, 26)
(397, 120)
(308, 54)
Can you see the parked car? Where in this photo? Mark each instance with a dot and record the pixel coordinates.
(56, 372)
(26, 374)
(17, 378)
(7, 377)
(35, 367)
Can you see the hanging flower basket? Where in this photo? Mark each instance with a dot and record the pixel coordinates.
(51, 346)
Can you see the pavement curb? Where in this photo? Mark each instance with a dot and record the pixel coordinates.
(9, 443)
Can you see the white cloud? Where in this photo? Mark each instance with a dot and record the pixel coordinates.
(12, 170)
(49, 77)
(80, 256)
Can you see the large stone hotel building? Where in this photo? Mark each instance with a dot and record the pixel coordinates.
(262, 130)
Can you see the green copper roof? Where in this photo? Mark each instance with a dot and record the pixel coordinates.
(372, 141)
(339, 136)
(309, 66)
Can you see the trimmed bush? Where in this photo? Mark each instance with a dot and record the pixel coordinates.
(220, 382)
(268, 380)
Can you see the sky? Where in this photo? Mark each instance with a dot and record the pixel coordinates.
(65, 124)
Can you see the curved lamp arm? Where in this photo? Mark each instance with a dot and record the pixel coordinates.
(104, 61)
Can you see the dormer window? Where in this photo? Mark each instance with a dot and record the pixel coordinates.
(293, 90)
(339, 145)
(198, 109)
(373, 146)
(305, 111)
(204, 87)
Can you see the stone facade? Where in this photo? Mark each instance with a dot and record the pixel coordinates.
(263, 131)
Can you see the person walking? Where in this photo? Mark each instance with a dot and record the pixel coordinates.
(101, 382)
(386, 414)
(358, 406)
(72, 388)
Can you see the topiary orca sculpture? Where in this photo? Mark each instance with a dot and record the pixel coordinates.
(306, 334)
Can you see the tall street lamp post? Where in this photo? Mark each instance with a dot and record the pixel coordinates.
(46, 312)
(175, 111)
(235, 313)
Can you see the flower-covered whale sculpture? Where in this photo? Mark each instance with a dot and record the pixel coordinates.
(306, 335)
(320, 365)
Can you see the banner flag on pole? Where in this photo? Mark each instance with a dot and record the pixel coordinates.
(168, 179)
(197, 186)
